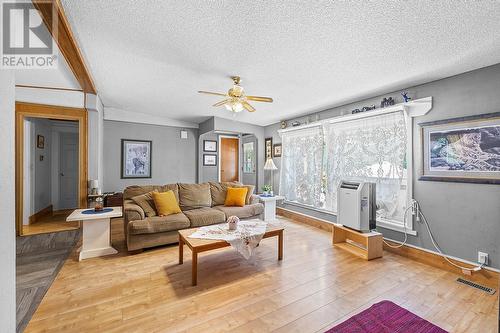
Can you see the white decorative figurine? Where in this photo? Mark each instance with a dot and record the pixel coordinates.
(232, 222)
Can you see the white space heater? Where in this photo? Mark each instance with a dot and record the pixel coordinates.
(356, 205)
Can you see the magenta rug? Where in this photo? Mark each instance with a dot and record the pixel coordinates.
(386, 317)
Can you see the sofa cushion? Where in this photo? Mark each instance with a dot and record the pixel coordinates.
(165, 203)
(250, 190)
(146, 202)
(193, 196)
(205, 216)
(236, 196)
(151, 225)
(242, 212)
(135, 190)
(132, 211)
(218, 191)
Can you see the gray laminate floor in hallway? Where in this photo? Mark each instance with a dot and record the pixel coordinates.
(38, 260)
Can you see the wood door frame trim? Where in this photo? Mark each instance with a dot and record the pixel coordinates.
(62, 34)
(219, 140)
(24, 110)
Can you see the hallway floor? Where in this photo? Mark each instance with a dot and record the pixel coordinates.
(53, 223)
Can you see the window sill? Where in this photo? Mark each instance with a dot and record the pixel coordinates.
(386, 224)
(324, 211)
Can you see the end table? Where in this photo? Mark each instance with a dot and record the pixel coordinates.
(270, 206)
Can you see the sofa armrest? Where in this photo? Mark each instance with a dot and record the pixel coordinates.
(132, 212)
(254, 198)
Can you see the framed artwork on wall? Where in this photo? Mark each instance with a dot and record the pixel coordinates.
(209, 160)
(277, 150)
(465, 150)
(210, 146)
(136, 159)
(40, 141)
(268, 142)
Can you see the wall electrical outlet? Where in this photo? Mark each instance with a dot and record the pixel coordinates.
(482, 258)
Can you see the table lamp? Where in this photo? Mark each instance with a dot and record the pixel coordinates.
(270, 166)
(94, 186)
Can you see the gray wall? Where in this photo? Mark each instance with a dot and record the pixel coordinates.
(233, 126)
(208, 173)
(211, 129)
(7, 205)
(173, 158)
(43, 174)
(465, 218)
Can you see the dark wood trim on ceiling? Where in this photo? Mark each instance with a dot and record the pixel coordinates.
(47, 88)
(62, 34)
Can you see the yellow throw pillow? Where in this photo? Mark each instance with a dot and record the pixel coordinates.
(165, 203)
(236, 196)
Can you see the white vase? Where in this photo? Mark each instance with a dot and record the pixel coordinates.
(232, 222)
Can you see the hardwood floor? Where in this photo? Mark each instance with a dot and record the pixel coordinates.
(312, 289)
(38, 260)
(53, 223)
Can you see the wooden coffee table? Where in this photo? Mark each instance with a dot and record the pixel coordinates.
(202, 245)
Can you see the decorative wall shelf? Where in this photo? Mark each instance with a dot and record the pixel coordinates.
(415, 108)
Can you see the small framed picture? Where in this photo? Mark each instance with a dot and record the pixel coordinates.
(210, 145)
(209, 160)
(269, 147)
(277, 150)
(40, 141)
(136, 159)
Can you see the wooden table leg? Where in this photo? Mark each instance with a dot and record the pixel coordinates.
(194, 269)
(280, 245)
(181, 250)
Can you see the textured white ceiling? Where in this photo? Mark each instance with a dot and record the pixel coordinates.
(152, 56)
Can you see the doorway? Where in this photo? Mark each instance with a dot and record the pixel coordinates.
(229, 159)
(51, 167)
(249, 159)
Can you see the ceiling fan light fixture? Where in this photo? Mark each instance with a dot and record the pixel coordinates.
(234, 107)
(235, 99)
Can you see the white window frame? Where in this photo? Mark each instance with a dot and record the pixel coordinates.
(410, 110)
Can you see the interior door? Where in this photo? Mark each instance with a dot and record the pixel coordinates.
(229, 159)
(68, 171)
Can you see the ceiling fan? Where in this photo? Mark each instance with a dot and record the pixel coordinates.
(236, 100)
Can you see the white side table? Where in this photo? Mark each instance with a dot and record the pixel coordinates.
(96, 238)
(270, 207)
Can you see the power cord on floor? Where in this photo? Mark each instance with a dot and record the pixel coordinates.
(406, 234)
(415, 207)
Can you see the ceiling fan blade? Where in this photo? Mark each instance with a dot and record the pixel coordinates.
(222, 102)
(248, 107)
(260, 99)
(211, 93)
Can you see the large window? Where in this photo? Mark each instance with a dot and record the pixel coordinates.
(373, 149)
(369, 149)
(302, 165)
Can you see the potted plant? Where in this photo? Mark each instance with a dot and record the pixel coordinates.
(268, 190)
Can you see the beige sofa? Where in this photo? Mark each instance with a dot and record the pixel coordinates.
(201, 204)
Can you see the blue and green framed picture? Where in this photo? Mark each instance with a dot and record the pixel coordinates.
(463, 149)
